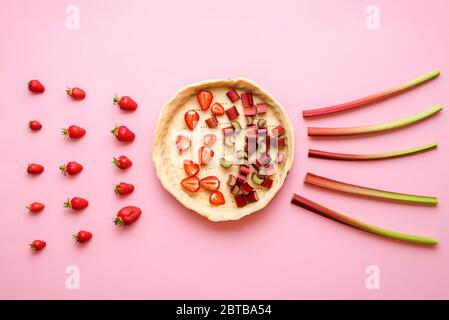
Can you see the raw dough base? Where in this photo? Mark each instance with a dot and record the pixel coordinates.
(168, 162)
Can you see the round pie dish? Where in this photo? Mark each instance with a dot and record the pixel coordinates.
(169, 161)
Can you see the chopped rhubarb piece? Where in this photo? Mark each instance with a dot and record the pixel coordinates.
(228, 131)
(247, 99)
(278, 131)
(262, 133)
(232, 180)
(249, 120)
(233, 95)
(232, 113)
(244, 170)
(251, 197)
(267, 183)
(249, 111)
(235, 189)
(257, 165)
(212, 122)
(262, 123)
(225, 163)
(237, 127)
(251, 131)
(241, 178)
(256, 179)
(246, 188)
(240, 201)
(264, 159)
(267, 171)
(282, 142)
(261, 108)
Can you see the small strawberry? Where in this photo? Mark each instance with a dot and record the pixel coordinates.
(182, 142)
(76, 93)
(123, 134)
(191, 184)
(122, 162)
(34, 125)
(191, 168)
(74, 132)
(76, 203)
(191, 118)
(82, 236)
(71, 168)
(35, 207)
(204, 99)
(35, 86)
(216, 198)
(210, 183)
(125, 103)
(38, 245)
(217, 109)
(209, 140)
(34, 168)
(123, 188)
(205, 154)
(127, 216)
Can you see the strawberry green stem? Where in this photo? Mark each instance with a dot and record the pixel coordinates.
(367, 192)
(372, 98)
(116, 99)
(326, 212)
(391, 125)
(370, 156)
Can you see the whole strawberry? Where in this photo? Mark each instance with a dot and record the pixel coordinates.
(34, 168)
(35, 207)
(82, 236)
(123, 188)
(71, 168)
(125, 103)
(122, 162)
(74, 132)
(38, 245)
(123, 134)
(35, 86)
(76, 93)
(76, 203)
(127, 216)
(34, 125)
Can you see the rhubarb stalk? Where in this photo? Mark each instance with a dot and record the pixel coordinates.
(367, 192)
(317, 208)
(386, 126)
(372, 98)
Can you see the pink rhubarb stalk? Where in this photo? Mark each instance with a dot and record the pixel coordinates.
(367, 192)
(326, 212)
(372, 98)
(386, 126)
(370, 156)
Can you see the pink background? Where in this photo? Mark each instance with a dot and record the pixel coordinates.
(307, 54)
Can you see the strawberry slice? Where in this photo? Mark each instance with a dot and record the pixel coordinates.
(216, 198)
(204, 99)
(191, 184)
(191, 118)
(182, 142)
(205, 154)
(191, 168)
(209, 140)
(217, 109)
(210, 183)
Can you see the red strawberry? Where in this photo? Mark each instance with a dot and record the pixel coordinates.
(127, 215)
(76, 93)
(191, 184)
(205, 154)
(38, 245)
(191, 118)
(209, 140)
(35, 207)
(204, 99)
(210, 183)
(71, 168)
(34, 168)
(182, 142)
(125, 103)
(35, 86)
(82, 236)
(122, 162)
(191, 168)
(74, 132)
(123, 188)
(123, 134)
(216, 198)
(217, 109)
(34, 125)
(76, 203)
